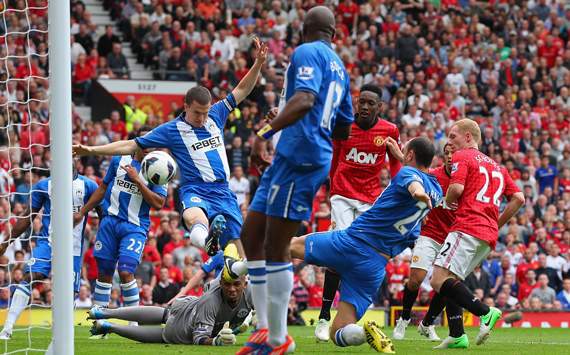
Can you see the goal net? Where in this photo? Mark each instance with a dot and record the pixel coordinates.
(24, 159)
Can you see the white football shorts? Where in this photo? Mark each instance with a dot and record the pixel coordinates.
(345, 210)
(461, 253)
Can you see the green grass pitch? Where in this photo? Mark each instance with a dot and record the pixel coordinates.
(502, 341)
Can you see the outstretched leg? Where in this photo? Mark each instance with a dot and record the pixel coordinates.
(142, 314)
(140, 334)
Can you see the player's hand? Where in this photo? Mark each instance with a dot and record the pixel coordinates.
(77, 217)
(132, 173)
(271, 114)
(394, 149)
(262, 50)
(246, 322)
(80, 150)
(225, 336)
(449, 206)
(423, 197)
(259, 156)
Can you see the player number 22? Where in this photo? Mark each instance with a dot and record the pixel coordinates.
(139, 247)
(332, 101)
(494, 175)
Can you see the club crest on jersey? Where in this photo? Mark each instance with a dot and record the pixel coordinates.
(305, 73)
(242, 313)
(207, 144)
(415, 258)
(98, 245)
(454, 167)
(379, 140)
(195, 199)
(361, 157)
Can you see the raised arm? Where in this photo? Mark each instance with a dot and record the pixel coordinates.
(246, 85)
(124, 147)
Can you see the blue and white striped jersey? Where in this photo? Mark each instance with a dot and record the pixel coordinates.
(123, 198)
(83, 188)
(199, 151)
(317, 69)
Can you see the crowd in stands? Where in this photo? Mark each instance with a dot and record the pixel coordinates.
(503, 63)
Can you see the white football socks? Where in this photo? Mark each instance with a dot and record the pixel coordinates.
(258, 286)
(19, 302)
(102, 293)
(279, 287)
(350, 335)
(130, 291)
(198, 235)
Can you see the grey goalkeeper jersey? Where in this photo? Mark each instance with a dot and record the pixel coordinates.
(191, 319)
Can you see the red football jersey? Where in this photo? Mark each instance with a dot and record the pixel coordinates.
(357, 161)
(485, 182)
(439, 220)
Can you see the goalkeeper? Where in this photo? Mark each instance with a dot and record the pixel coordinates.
(206, 320)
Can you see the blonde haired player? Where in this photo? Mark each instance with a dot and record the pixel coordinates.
(477, 185)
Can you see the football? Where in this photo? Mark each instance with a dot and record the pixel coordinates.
(158, 168)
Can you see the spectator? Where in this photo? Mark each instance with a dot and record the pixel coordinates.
(222, 47)
(554, 281)
(82, 75)
(547, 175)
(479, 279)
(165, 289)
(146, 295)
(239, 185)
(564, 295)
(84, 38)
(118, 62)
(84, 298)
(186, 254)
(545, 294)
(133, 114)
(237, 154)
(106, 41)
(529, 284)
(174, 65)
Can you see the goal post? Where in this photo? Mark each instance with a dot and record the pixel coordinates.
(61, 173)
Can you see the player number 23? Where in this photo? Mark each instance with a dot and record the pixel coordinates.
(494, 175)
(132, 243)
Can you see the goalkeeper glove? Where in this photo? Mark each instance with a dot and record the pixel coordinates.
(246, 322)
(225, 336)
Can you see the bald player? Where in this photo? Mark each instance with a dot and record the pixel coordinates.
(315, 106)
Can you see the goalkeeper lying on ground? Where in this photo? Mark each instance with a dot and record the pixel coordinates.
(206, 320)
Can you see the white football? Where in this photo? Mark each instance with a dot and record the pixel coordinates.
(158, 168)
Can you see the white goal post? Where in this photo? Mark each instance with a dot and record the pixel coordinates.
(61, 173)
